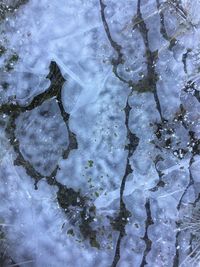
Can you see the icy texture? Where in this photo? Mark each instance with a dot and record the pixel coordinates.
(42, 148)
(99, 133)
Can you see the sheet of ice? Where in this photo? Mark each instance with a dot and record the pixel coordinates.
(99, 133)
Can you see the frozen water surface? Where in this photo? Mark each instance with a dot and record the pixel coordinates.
(99, 133)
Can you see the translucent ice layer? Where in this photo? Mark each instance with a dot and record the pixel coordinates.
(99, 133)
